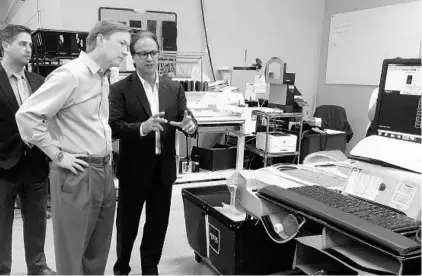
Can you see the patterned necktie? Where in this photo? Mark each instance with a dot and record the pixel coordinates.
(22, 88)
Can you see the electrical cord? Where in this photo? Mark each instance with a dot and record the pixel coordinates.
(250, 139)
(187, 148)
(206, 39)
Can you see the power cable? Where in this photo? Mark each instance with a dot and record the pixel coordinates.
(206, 39)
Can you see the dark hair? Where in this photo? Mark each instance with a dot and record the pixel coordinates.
(9, 33)
(139, 35)
(106, 28)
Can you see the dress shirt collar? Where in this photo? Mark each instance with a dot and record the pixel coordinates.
(144, 81)
(9, 71)
(92, 65)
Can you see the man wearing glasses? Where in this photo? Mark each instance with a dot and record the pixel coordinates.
(145, 110)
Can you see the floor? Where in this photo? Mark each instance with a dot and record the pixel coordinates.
(177, 259)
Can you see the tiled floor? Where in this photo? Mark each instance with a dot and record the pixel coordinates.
(177, 259)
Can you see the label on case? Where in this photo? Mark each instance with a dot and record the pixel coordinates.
(213, 238)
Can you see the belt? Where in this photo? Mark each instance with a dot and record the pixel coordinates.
(96, 160)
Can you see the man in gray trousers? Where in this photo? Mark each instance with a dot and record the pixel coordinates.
(73, 103)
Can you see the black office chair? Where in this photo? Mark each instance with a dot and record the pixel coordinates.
(334, 117)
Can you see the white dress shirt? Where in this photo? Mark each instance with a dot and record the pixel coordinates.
(372, 107)
(152, 96)
(73, 102)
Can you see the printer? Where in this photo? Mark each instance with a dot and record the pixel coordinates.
(278, 142)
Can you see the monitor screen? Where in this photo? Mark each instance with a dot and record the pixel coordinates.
(398, 113)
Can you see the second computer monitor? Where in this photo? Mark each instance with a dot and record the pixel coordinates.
(398, 111)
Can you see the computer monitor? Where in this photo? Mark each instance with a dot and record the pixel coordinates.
(398, 110)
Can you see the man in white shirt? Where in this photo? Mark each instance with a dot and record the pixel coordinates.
(371, 111)
(74, 103)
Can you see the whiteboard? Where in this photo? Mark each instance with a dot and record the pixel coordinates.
(360, 40)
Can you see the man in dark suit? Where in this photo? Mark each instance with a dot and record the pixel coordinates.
(145, 110)
(23, 168)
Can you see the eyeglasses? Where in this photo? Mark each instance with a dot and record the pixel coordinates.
(144, 55)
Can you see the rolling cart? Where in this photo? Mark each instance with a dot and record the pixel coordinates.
(230, 247)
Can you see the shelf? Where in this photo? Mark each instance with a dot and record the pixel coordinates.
(269, 155)
(222, 127)
(204, 175)
(269, 115)
(180, 64)
(340, 254)
(278, 114)
(52, 57)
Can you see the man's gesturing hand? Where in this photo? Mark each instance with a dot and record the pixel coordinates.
(186, 124)
(153, 123)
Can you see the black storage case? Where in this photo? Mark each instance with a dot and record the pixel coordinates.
(314, 142)
(243, 247)
(214, 159)
(58, 43)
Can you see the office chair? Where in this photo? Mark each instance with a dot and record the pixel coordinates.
(334, 117)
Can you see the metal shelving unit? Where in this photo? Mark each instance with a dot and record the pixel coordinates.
(168, 62)
(269, 154)
(277, 115)
(175, 65)
(53, 48)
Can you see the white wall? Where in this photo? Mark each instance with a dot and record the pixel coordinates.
(289, 29)
(354, 98)
(4, 7)
(28, 14)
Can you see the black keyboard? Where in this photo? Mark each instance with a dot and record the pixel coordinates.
(337, 210)
(383, 216)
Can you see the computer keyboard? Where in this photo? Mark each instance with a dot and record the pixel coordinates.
(310, 177)
(383, 216)
(362, 220)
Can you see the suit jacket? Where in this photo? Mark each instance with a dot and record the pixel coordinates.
(129, 108)
(12, 148)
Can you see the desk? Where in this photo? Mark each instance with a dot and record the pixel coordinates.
(204, 176)
(232, 126)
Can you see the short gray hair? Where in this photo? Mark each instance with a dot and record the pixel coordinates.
(106, 28)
